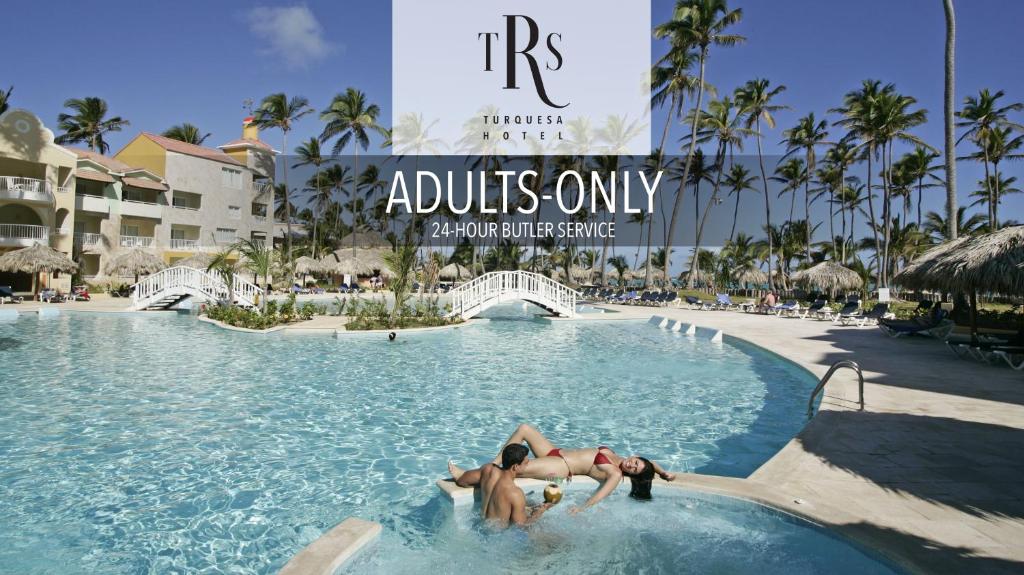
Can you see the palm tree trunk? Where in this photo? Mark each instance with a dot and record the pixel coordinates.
(995, 194)
(886, 209)
(650, 218)
(735, 215)
(992, 224)
(871, 211)
(920, 186)
(686, 167)
(694, 264)
(287, 201)
(950, 131)
(807, 209)
(355, 194)
(764, 181)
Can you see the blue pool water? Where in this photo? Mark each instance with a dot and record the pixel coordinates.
(155, 443)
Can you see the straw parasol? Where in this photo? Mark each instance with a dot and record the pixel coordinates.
(984, 263)
(307, 265)
(581, 274)
(200, 261)
(829, 276)
(454, 271)
(35, 260)
(134, 262)
(364, 241)
(750, 275)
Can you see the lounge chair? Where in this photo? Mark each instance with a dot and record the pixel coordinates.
(849, 310)
(694, 303)
(671, 298)
(6, 293)
(789, 308)
(813, 309)
(1008, 354)
(876, 314)
(50, 295)
(935, 324)
(923, 307)
(724, 302)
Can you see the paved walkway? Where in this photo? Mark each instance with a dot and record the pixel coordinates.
(933, 466)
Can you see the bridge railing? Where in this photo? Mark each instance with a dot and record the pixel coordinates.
(181, 279)
(501, 286)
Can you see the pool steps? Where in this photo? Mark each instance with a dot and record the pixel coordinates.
(677, 326)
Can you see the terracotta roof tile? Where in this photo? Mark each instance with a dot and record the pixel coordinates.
(191, 149)
(107, 162)
(247, 142)
(94, 175)
(144, 183)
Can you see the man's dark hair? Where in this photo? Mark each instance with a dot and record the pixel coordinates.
(513, 454)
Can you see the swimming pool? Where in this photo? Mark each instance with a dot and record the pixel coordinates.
(153, 442)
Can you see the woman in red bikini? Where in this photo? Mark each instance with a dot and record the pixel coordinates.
(600, 463)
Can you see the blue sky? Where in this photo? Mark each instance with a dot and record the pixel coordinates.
(158, 64)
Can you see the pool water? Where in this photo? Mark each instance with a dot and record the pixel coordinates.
(155, 443)
(677, 532)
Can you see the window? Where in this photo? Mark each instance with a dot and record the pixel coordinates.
(186, 200)
(259, 238)
(234, 212)
(259, 209)
(177, 234)
(130, 230)
(231, 178)
(225, 235)
(140, 196)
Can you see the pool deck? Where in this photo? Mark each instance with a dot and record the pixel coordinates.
(932, 469)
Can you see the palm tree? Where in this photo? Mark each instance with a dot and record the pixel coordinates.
(259, 260)
(894, 119)
(981, 116)
(1005, 185)
(919, 166)
(402, 263)
(309, 154)
(807, 135)
(722, 122)
(350, 118)
(321, 193)
(277, 111)
(5, 98)
(839, 158)
(949, 107)
(999, 145)
(936, 226)
(187, 133)
(755, 97)
(696, 24)
(737, 181)
(225, 264)
(620, 264)
(88, 123)
(791, 174)
(860, 118)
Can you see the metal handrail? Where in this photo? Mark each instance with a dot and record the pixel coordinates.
(821, 384)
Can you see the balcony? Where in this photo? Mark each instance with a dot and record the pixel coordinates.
(185, 245)
(258, 189)
(259, 218)
(25, 190)
(136, 242)
(141, 209)
(20, 235)
(94, 204)
(86, 240)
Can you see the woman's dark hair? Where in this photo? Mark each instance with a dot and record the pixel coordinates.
(642, 482)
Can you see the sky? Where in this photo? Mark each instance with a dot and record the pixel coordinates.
(161, 63)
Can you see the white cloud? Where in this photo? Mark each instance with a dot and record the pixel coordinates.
(292, 34)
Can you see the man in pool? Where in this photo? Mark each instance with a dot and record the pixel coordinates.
(502, 502)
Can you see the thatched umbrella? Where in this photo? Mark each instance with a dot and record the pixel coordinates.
(199, 261)
(750, 275)
(454, 271)
(581, 274)
(35, 260)
(307, 265)
(989, 263)
(363, 241)
(829, 276)
(134, 262)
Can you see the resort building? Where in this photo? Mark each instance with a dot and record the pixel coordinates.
(37, 199)
(172, 198)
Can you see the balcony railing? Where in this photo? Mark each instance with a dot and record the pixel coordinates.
(24, 232)
(28, 189)
(185, 245)
(136, 242)
(65, 189)
(85, 240)
(259, 218)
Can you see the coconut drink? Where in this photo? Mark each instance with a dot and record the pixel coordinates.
(552, 493)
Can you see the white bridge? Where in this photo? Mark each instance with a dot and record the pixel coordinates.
(490, 289)
(169, 287)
